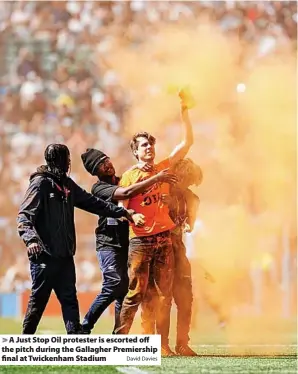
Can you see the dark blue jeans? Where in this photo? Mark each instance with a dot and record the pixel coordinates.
(49, 274)
(113, 265)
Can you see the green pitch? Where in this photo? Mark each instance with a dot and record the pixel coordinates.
(218, 354)
(206, 365)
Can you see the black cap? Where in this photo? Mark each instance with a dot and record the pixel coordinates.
(92, 158)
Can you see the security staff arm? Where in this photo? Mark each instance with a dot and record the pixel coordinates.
(123, 203)
(124, 193)
(28, 212)
(85, 201)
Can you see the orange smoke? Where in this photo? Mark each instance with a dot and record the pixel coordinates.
(245, 143)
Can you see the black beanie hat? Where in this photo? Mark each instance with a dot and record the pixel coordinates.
(92, 158)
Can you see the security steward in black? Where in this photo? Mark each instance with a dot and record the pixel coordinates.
(46, 225)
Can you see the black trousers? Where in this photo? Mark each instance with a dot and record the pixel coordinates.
(49, 274)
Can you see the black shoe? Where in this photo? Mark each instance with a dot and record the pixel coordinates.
(74, 329)
(85, 331)
(166, 351)
(185, 350)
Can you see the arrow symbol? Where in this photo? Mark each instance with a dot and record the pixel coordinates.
(4, 340)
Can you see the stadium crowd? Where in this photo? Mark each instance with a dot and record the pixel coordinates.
(57, 86)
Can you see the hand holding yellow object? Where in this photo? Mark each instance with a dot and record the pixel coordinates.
(187, 98)
(185, 95)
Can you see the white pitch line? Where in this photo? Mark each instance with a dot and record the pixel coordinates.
(131, 370)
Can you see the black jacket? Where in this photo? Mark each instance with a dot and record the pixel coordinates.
(46, 215)
(111, 234)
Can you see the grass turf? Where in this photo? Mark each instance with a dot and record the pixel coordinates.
(179, 365)
(209, 341)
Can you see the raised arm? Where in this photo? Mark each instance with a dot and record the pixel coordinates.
(181, 150)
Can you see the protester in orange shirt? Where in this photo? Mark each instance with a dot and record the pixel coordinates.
(150, 248)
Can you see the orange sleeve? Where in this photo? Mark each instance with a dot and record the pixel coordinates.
(164, 164)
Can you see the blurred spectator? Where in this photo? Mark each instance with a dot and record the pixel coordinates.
(26, 63)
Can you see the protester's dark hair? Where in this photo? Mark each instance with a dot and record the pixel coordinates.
(57, 158)
(134, 143)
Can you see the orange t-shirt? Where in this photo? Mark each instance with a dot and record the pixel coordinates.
(149, 203)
